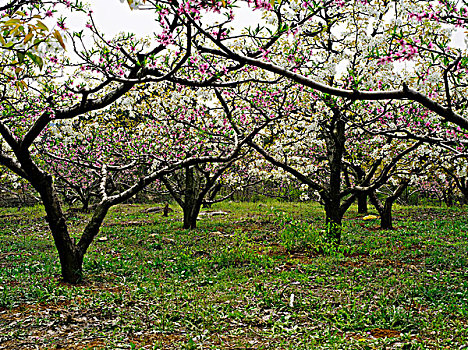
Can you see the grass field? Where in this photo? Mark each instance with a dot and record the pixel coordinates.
(256, 278)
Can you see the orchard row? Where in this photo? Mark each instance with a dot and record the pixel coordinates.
(342, 98)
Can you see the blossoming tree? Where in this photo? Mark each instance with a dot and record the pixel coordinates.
(43, 102)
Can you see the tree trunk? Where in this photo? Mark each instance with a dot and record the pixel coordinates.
(335, 150)
(213, 194)
(85, 206)
(386, 220)
(191, 215)
(72, 266)
(333, 223)
(362, 203)
(449, 197)
(190, 200)
(464, 192)
(166, 210)
(70, 256)
(464, 189)
(385, 210)
(70, 253)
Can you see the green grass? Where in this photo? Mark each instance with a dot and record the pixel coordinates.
(253, 279)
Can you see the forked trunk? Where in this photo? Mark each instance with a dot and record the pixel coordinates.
(70, 256)
(70, 253)
(385, 209)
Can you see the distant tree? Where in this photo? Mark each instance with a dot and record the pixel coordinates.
(307, 42)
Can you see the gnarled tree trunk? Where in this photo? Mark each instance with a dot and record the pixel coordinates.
(385, 209)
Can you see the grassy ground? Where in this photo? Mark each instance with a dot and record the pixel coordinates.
(251, 279)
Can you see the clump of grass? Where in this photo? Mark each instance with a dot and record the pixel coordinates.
(299, 235)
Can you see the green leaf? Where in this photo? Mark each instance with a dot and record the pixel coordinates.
(59, 38)
(20, 56)
(12, 22)
(42, 26)
(36, 59)
(28, 37)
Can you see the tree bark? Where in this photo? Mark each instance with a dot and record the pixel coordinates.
(213, 194)
(335, 149)
(190, 200)
(333, 223)
(72, 266)
(70, 256)
(385, 209)
(189, 197)
(166, 210)
(464, 191)
(85, 206)
(386, 219)
(362, 203)
(191, 215)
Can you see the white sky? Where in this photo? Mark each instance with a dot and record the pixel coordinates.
(112, 17)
